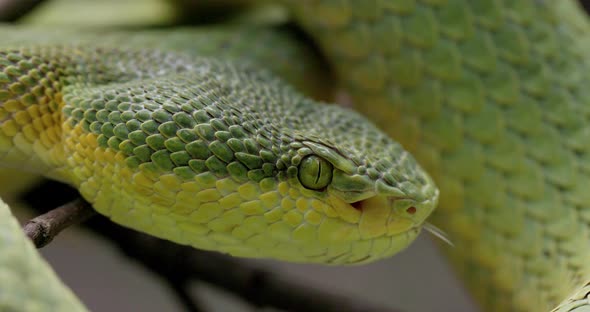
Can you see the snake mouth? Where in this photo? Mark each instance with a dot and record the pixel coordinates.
(360, 205)
(389, 215)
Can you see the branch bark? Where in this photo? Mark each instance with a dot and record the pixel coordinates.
(42, 229)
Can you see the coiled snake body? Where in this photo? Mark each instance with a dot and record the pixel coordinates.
(190, 135)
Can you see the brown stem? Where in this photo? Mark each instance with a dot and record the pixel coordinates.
(42, 229)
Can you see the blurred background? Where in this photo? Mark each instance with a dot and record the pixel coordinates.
(418, 279)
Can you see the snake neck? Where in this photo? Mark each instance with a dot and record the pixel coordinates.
(30, 101)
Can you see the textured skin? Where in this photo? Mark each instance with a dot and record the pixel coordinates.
(492, 99)
(27, 282)
(578, 302)
(489, 96)
(207, 152)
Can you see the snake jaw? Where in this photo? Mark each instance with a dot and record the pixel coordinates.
(385, 215)
(361, 192)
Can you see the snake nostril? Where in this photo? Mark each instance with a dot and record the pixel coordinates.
(411, 210)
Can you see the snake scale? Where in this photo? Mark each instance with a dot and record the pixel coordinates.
(209, 137)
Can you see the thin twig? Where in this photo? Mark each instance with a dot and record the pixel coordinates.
(12, 10)
(42, 229)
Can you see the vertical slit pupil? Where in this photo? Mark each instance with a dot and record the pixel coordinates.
(319, 172)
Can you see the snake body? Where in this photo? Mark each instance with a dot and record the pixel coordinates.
(196, 137)
(491, 97)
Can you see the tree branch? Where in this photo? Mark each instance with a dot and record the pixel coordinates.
(42, 229)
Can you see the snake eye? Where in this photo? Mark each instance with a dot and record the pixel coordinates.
(315, 173)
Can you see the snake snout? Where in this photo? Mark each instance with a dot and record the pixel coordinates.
(406, 214)
(387, 215)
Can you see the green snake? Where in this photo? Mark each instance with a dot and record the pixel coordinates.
(210, 137)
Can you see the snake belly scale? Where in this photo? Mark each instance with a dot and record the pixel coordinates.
(199, 137)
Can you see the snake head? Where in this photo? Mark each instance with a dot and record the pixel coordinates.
(362, 196)
(265, 174)
(372, 207)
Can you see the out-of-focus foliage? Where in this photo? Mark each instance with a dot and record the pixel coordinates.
(102, 12)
